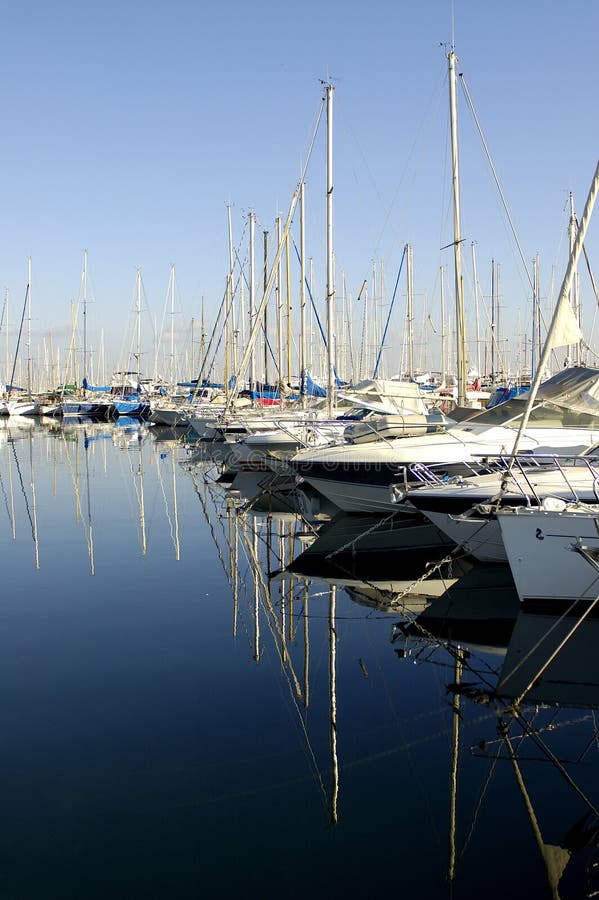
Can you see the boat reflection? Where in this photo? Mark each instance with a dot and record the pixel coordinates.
(415, 698)
(538, 677)
(68, 462)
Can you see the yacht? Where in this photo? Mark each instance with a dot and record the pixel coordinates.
(372, 476)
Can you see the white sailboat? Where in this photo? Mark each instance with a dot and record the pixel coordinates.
(25, 404)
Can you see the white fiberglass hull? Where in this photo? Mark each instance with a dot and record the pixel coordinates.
(553, 555)
(477, 535)
(359, 478)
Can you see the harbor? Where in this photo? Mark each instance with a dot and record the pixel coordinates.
(299, 453)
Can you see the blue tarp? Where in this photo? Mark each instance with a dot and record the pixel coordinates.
(310, 388)
(502, 394)
(92, 387)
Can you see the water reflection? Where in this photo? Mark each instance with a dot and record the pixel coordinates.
(237, 674)
(464, 618)
(546, 671)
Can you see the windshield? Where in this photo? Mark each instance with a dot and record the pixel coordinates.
(544, 415)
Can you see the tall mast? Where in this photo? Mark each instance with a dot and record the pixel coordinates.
(264, 280)
(84, 286)
(7, 368)
(202, 332)
(410, 310)
(279, 296)
(574, 351)
(536, 317)
(232, 317)
(172, 292)
(252, 299)
(500, 365)
(172, 298)
(330, 274)
(288, 300)
(138, 313)
(29, 325)
(303, 293)
(457, 238)
(476, 310)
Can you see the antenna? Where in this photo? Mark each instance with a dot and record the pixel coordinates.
(453, 25)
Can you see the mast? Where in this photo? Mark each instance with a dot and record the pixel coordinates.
(330, 274)
(574, 351)
(138, 322)
(303, 295)
(536, 317)
(7, 367)
(457, 238)
(202, 333)
(84, 286)
(279, 296)
(172, 292)
(288, 300)
(231, 313)
(252, 300)
(29, 326)
(410, 310)
(476, 310)
(264, 280)
(500, 357)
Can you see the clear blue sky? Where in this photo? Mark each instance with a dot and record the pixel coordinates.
(128, 126)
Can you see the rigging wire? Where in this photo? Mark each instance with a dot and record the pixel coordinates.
(495, 177)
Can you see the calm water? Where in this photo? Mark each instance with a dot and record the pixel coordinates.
(176, 723)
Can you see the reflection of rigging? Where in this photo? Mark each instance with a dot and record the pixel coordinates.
(87, 526)
(9, 501)
(549, 669)
(174, 522)
(30, 508)
(259, 541)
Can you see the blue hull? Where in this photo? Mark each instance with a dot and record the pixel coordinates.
(136, 408)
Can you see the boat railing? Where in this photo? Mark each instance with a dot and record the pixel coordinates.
(519, 471)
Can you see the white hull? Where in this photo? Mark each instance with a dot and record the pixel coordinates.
(355, 497)
(478, 536)
(464, 511)
(555, 425)
(171, 417)
(21, 407)
(547, 552)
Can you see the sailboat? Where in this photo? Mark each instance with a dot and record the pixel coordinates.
(129, 393)
(24, 404)
(85, 404)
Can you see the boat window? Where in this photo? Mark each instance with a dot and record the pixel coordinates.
(500, 414)
(356, 413)
(544, 415)
(549, 415)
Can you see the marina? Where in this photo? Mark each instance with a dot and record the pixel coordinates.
(176, 695)
(299, 453)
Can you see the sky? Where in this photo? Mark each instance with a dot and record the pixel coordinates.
(129, 127)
